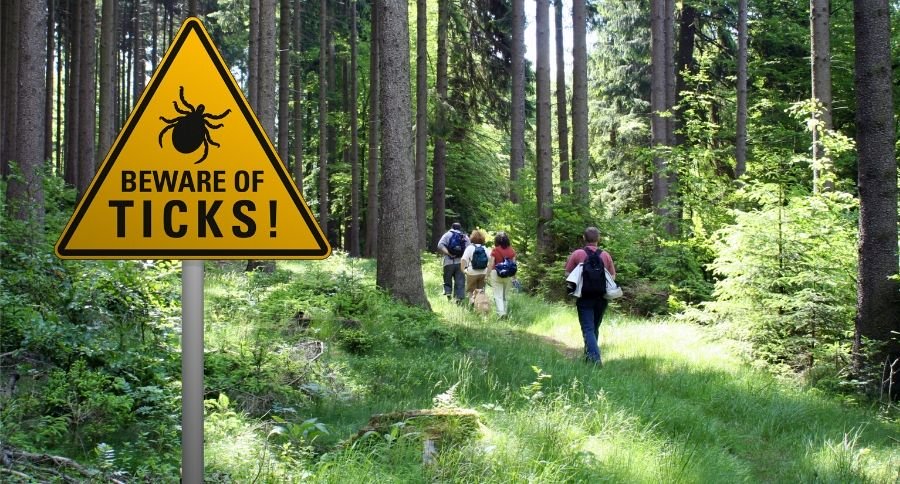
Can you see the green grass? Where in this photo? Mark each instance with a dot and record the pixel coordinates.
(670, 404)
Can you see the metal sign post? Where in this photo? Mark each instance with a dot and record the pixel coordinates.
(192, 371)
(166, 190)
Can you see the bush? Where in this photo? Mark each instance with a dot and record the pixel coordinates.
(787, 277)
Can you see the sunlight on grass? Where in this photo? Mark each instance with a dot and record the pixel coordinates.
(672, 403)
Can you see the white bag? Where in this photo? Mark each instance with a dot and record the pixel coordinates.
(613, 291)
(574, 282)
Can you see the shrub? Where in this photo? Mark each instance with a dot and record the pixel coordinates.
(787, 276)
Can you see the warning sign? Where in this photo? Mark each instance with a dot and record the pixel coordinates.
(192, 175)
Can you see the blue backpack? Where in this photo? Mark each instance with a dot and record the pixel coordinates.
(507, 268)
(457, 244)
(479, 258)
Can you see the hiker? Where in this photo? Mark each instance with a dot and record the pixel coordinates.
(475, 262)
(452, 244)
(502, 270)
(591, 304)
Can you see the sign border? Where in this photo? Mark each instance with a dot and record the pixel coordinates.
(192, 24)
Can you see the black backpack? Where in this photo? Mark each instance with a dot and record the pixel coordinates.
(593, 275)
(457, 244)
(479, 258)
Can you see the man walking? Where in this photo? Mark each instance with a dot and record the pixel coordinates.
(591, 303)
(452, 245)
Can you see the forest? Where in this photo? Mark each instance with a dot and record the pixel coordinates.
(739, 159)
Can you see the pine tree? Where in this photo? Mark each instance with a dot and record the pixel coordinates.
(398, 272)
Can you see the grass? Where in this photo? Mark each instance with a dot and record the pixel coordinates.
(671, 403)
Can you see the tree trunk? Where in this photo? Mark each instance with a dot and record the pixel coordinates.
(107, 76)
(439, 167)
(354, 138)
(671, 226)
(87, 117)
(25, 194)
(820, 55)
(562, 123)
(265, 108)
(140, 71)
(323, 116)
(687, 34)
(399, 271)
(154, 36)
(580, 155)
(333, 225)
(265, 89)
(373, 135)
(421, 115)
(878, 305)
(48, 83)
(544, 172)
(299, 97)
(741, 141)
(253, 56)
(284, 79)
(517, 110)
(658, 128)
(73, 58)
(61, 61)
(10, 67)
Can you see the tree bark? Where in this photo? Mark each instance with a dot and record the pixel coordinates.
(87, 117)
(48, 83)
(10, 68)
(544, 172)
(517, 97)
(373, 136)
(284, 79)
(253, 55)
(140, 72)
(354, 138)
(299, 97)
(687, 34)
(820, 55)
(399, 271)
(671, 227)
(878, 305)
(658, 125)
(73, 58)
(193, 7)
(421, 115)
(25, 194)
(265, 89)
(323, 116)
(439, 166)
(265, 108)
(741, 128)
(107, 76)
(580, 155)
(562, 123)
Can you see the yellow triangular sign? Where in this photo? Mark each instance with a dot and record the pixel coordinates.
(192, 175)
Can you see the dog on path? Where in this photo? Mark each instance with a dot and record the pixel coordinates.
(480, 302)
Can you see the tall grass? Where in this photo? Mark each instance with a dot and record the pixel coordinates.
(670, 404)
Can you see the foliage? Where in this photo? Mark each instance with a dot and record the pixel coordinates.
(90, 348)
(785, 276)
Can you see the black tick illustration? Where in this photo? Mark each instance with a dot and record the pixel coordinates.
(191, 129)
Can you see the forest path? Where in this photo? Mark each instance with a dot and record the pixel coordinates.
(685, 406)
